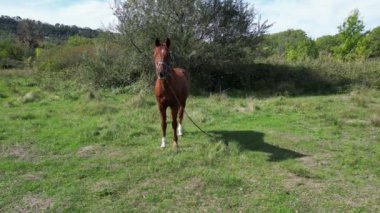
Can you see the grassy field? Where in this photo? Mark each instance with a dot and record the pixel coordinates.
(71, 149)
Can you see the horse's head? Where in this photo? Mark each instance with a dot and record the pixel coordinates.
(161, 59)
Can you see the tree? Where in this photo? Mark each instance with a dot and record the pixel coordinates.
(11, 53)
(326, 44)
(28, 33)
(290, 44)
(374, 40)
(210, 31)
(350, 34)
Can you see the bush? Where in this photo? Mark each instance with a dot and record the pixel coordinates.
(279, 76)
(11, 54)
(79, 41)
(114, 65)
(61, 61)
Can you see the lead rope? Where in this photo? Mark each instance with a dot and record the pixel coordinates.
(187, 115)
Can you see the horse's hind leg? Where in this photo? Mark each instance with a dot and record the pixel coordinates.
(174, 125)
(180, 115)
(163, 126)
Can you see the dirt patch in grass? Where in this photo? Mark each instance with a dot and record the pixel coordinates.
(34, 203)
(102, 186)
(290, 137)
(292, 182)
(312, 162)
(32, 177)
(88, 151)
(195, 184)
(114, 153)
(375, 120)
(97, 108)
(363, 197)
(23, 152)
(355, 122)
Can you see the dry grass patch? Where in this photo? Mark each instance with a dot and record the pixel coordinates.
(101, 186)
(31, 97)
(195, 184)
(375, 120)
(32, 176)
(248, 106)
(88, 151)
(292, 182)
(22, 152)
(34, 203)
(356, 122)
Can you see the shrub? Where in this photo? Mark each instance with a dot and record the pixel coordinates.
(11, 54)
(61, 62)
(79, 41)
(107, 67)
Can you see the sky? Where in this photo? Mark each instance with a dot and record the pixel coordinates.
(315, 17)
(83, 13)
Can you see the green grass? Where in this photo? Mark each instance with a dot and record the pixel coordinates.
(75, 150)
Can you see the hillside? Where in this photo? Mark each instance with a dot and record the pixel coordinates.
(11, 26)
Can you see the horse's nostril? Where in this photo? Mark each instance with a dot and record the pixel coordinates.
(161, 75)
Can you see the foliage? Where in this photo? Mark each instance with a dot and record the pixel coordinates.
(79, 41)
(291, 44)
(373, 38)
(37, 37)
(350, 35)
(204, 34)
(326, 44)
(11, 54)
(351, 43)
(61, 62)
(28, 33)
(57, 31)
(108, 66)
(303, 50)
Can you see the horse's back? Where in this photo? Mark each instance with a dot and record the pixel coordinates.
(182, 73)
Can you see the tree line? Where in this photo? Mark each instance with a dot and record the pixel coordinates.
(223, 43)
(20, 37)
(352, 42)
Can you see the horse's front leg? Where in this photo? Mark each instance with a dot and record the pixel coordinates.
(180, 118)
(163, 125)
(174, 110)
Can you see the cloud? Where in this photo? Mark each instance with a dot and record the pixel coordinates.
(315, 17)
(84, 13)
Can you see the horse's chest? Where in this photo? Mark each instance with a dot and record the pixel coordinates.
(165, 100)
(165, 95)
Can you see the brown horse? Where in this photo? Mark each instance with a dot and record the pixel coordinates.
(171, 90)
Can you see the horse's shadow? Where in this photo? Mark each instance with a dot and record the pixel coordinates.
(254, 141)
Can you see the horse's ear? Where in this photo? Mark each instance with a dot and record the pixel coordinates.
(157, 42)
(167, 42)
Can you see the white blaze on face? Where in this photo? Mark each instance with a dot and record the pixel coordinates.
(163, 142)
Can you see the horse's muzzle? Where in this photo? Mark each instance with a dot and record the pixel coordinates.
(162, 75)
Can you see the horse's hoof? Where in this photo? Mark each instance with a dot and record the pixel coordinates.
(175, 146)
